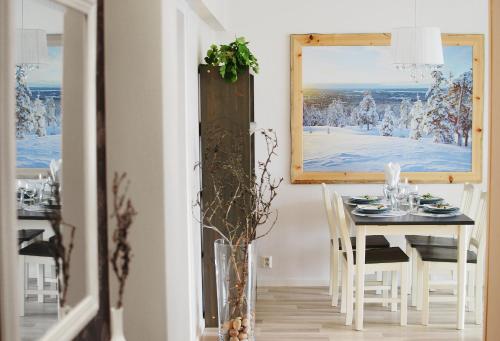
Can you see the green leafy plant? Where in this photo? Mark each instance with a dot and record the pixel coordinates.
(232, 59)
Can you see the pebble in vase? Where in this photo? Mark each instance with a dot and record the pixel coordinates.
(117, 324)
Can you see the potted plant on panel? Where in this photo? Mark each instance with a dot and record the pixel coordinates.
(239, 203)
(124, 213)
(232, 59)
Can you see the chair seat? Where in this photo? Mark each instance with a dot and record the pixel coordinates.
(383, 255)
(38, 249)
(372, 242)
(443, 254)
(415, 241)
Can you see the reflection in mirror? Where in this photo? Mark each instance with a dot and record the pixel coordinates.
(44, 139)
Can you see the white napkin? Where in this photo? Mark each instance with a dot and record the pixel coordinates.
(392, 173)
(55, 170)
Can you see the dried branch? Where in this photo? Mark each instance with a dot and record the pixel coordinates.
(60, 252)
(240, 200)
(123, 212)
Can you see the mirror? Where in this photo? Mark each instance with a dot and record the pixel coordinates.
(53, 241)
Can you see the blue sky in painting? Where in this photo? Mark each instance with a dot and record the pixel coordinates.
(362, 65)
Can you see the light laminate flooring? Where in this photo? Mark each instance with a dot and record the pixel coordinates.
(305, 314)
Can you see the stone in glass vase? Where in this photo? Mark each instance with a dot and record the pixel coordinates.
(236, 290)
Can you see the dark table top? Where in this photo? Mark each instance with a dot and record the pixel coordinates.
(408, 219)
(27, 235)
(31, 215)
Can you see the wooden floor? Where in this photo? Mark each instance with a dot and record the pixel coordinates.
(305, 314)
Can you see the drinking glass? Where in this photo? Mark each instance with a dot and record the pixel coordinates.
(402, 196)
(413, 198)
(390, 196)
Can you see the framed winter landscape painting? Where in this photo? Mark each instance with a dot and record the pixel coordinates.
(38, 111)
(352, 111)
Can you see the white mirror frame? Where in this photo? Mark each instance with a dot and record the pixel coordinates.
(81, 314)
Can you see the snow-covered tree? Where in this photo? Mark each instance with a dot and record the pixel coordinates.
(50, 105)
(404, 113)
(436, 120)
(334, 114)
(39, 114)
(367, 111)
(417, 116)
(24, 118)
(460, 97)
(312, 117)
(387, 127)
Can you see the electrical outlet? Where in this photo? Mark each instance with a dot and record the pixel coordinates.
(267, 262)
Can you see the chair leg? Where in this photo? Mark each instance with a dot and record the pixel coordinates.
(414, 276)
(478, 295)
(385, 292)
(420, 280)
(334, 278)
(394, 290)
(330, 283)
(425, 294)
(378, 275)
(350, 298)
(470, 289)
(404, 293)
(454, 279)
(40, 281)
(344, 289)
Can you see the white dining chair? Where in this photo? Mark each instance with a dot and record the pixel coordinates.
(40, 255)
(390, 259)
(450, 242)
(371, 242)
(442, 258)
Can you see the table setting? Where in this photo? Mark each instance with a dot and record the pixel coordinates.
(400, 199)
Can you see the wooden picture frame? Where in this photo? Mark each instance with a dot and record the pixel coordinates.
(299, 175)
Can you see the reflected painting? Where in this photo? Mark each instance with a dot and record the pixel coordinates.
(38, 111)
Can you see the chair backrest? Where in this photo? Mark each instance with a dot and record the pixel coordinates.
(477, 238)
(330, 214)
(466, 201)
(345, 238)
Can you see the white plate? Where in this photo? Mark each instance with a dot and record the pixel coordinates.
(388, 214)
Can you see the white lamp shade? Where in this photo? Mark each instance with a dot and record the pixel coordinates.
(31, 46)
(417, 45)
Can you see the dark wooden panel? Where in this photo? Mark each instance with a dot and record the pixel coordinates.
(99, 328)
(227, 107)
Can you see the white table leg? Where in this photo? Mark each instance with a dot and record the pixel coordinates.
(360, 275)
(21, 274)
(414, 276)
(462, 271)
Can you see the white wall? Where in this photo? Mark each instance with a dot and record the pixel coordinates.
(152, 57)
(299, 242)
(134, 136)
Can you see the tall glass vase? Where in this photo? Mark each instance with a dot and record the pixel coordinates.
(235, 267)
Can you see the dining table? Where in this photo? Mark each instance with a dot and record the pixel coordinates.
(408, 224)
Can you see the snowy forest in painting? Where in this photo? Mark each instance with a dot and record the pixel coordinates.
(360, 127)
(38, 113)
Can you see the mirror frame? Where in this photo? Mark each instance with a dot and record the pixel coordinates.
(80, 315)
